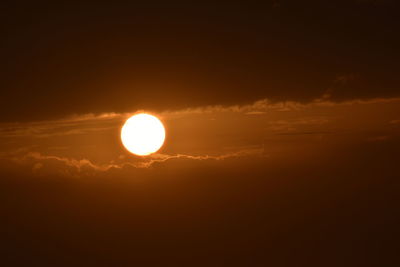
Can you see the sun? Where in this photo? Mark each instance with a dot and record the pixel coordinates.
(143, 134)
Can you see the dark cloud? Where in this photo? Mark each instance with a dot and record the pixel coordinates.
(62, 59)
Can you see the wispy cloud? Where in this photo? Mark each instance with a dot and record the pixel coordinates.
(68, 126)
(89, 123)
(88, 144)
(40, 162)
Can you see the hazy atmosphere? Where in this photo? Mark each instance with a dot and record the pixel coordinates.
(282, 133)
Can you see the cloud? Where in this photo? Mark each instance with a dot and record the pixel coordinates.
(87, 144)
(291, 125)
(88, 123)
(76, 124)
(72, 167)
(264, 106)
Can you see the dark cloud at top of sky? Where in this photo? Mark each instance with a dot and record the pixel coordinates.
(64, 58)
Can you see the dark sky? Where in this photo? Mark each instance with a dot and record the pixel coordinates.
(59, 59)
(282, 133)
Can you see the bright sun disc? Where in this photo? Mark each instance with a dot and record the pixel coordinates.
(143, 134)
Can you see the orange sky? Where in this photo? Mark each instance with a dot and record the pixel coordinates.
(282, 133)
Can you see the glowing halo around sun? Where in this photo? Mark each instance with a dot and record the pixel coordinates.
(143, 134)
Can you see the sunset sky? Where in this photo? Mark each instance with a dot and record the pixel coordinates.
(282, 123)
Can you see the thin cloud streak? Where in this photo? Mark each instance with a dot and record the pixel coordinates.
(88, 123)
(83, 167)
